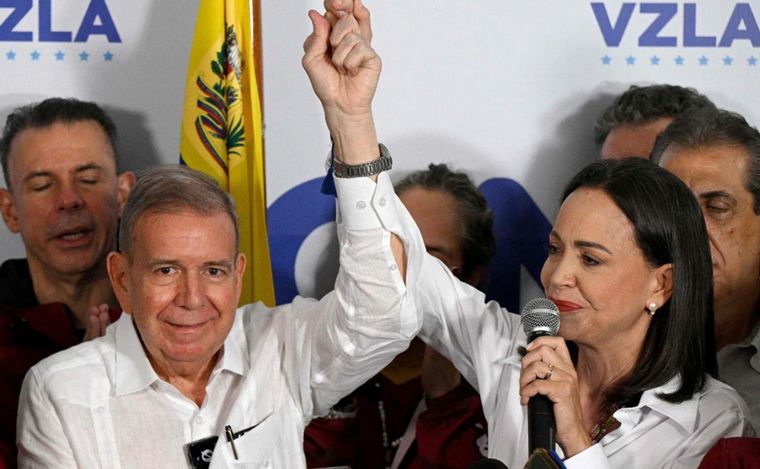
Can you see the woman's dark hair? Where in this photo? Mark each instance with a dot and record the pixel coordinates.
(668, 228)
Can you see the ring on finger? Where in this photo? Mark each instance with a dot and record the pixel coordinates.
(551, 370)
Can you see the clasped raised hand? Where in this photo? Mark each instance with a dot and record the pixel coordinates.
(344, 71)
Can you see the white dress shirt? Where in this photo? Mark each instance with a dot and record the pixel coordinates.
(482, 341)
(101, 405)
(739, 366)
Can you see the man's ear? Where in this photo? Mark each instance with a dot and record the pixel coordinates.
(662, 285)
(8, 210)
(118, 272)
(239, 271)
(240, 263)
(125, 182)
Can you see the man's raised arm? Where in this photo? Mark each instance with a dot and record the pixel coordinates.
(344, 71)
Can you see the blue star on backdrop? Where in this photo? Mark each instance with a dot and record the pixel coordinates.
(679, 60)
(43, 54)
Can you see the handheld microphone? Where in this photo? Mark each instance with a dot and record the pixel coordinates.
(540, 317)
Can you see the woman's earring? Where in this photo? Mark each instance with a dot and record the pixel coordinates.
(652, 307)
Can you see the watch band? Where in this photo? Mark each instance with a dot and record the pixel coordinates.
(384, 163)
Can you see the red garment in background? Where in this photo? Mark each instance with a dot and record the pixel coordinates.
(451, 433)
(733, 453)
(353, 436)
(29, 332)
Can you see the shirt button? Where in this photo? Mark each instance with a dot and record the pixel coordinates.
(199, 420)
(392, 267)
(383, 201)
(361, 204)
(101, 410)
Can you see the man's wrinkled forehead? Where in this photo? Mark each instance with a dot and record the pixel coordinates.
(716, 153)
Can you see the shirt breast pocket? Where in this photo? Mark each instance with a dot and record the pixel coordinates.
(269, 444)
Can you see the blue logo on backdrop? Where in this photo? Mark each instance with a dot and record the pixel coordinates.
(95, 21)
(740, 29)
(521, 229)
(290, 219)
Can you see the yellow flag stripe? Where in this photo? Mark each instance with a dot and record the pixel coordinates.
(222, 128)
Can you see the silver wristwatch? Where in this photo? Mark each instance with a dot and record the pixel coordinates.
(384, 163)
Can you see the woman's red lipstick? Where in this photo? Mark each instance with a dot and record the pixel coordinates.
(565, 306)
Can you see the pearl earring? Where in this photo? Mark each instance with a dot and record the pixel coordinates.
(652, 307)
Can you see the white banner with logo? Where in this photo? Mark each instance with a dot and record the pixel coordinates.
(506, 90)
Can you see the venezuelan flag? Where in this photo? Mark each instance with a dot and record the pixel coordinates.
(222, 127)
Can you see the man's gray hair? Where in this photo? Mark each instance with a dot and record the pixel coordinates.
(704, 128)
(170, 189)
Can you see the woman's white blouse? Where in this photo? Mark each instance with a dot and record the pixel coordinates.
(482, 341)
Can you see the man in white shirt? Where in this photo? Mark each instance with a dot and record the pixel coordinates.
(181, 365)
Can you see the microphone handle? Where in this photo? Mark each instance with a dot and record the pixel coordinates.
(541, 425)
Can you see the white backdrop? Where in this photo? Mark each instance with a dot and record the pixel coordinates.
(500, 88)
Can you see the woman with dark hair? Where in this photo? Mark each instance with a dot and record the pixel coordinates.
(629, 267)
(631, 374)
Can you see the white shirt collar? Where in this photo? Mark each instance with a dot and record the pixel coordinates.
(683, 413)
(755, 342)
(133, 372)
(752, 341)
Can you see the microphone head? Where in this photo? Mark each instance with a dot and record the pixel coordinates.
(540, 316)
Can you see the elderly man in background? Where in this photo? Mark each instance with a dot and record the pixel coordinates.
(182, 375)
(717, 154)
(630, 125)
(63, 197)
